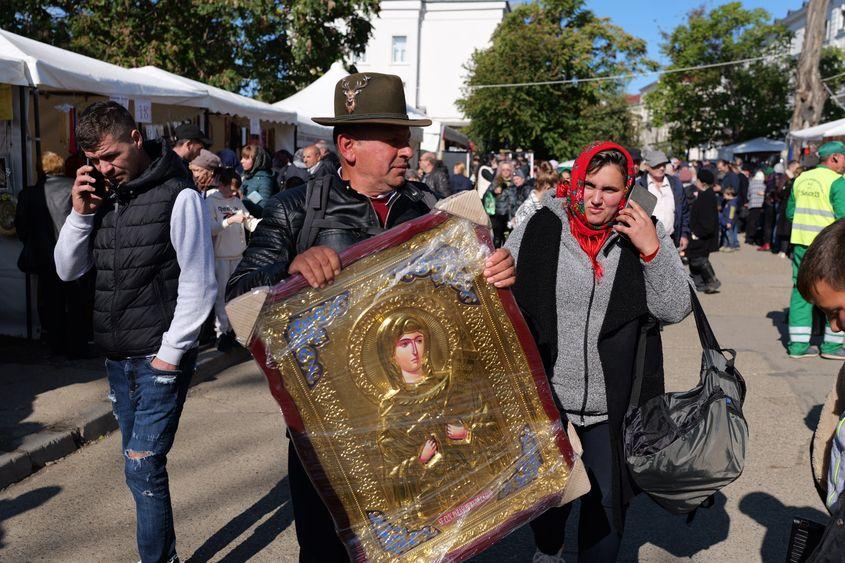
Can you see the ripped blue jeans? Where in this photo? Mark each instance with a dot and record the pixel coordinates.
(147, 404)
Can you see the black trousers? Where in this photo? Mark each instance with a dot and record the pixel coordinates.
(315, 533)
(753, 225)
(64, 313)
(768, 222)
(500, 226)
(598, 539)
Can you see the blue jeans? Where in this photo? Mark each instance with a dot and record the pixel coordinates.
(729, 237)
(147, 404)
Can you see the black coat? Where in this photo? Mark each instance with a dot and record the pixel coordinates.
(704, 224)
(350, 215)
(34, 228)
(627, 315)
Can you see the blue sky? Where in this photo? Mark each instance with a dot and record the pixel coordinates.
(646, 19)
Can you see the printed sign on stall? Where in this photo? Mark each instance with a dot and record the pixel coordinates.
(254, 126)
(143, 111)
(122, 100)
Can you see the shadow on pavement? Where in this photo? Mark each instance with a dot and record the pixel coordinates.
(647, 523)
(36, 372)
(780, 320)
(777, 519)
(276, 501)
(10, 508)
(812, 418)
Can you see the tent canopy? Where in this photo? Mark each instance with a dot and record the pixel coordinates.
(216, 99)
(51, 68)
(819, 132)
(317, 100)
(12, 71)
(760, 144)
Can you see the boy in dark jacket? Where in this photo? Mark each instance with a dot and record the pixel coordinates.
(728, 221)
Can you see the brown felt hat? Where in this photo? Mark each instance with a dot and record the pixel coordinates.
(370, 98)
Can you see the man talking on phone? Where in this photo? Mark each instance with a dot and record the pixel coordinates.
(149, 240)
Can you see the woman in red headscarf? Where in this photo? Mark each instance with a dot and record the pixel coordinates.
(593, 275)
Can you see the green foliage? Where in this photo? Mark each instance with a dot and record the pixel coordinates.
(832, 65)
(269, 47)
(548, 40)
(722, 105)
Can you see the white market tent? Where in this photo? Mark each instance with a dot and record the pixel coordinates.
(760, 144)
(819, 132)
(13, 71)
(218, 100)
(51, 68)
(317, 100)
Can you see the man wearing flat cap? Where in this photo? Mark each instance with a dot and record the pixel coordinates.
(816, 201)
(304, 228)
(672, 208)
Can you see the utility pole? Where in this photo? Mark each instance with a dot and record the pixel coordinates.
(810, 93)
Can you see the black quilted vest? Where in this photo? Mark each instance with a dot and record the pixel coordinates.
(137, 271)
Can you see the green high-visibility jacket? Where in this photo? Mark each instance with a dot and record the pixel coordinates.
(816, 201)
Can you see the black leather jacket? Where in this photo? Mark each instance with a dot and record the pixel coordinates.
(272, 246)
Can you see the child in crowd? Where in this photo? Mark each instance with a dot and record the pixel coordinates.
(546, 180)
(229, 218)
(728, 220)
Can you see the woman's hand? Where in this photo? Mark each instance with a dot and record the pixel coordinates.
(639, 228)
(428, 451)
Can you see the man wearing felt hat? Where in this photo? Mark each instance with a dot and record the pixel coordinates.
(816, 201)
(304, 228)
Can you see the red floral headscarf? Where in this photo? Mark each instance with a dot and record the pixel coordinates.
(590, 238)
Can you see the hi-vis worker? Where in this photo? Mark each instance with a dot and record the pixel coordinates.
(817, 200)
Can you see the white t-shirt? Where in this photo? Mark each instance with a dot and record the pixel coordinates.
(665, 208)
(229, 239)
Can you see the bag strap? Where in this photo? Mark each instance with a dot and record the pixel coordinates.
(316, 200)
(705, 332)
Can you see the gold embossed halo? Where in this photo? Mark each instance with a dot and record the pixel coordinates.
(366, 363)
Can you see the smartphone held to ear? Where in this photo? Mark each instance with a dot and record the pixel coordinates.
(643, 198)
(99, 180)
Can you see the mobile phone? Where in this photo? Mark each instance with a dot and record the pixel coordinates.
(99, 180)
(643, 198)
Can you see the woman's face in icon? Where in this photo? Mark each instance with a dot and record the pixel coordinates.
(410, 351)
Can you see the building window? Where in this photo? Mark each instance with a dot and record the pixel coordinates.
(399, 48)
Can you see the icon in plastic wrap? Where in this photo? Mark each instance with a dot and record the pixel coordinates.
(413, 391)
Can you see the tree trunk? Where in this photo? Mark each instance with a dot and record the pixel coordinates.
(810, 94)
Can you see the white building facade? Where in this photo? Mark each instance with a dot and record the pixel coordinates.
(796, 22)
(427, 43)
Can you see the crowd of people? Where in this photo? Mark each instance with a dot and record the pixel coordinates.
(180, 230)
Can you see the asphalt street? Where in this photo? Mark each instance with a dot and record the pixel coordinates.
(228, 465)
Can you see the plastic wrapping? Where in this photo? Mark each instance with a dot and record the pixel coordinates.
(415, 396)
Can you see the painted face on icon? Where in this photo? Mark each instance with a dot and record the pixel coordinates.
(410, 352)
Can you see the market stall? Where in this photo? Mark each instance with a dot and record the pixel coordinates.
(234, 120)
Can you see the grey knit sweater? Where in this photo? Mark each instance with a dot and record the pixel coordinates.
(582, 305)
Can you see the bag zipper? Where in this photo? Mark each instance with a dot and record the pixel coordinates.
(114, 274)
(586, 336)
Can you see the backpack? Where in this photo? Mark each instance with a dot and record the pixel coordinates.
(682, 447)
(317, 198)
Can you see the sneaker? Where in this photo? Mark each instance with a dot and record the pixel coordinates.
(783, 255)
(765, 248)
(838, 355)
(540, 557)
(810, 352)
